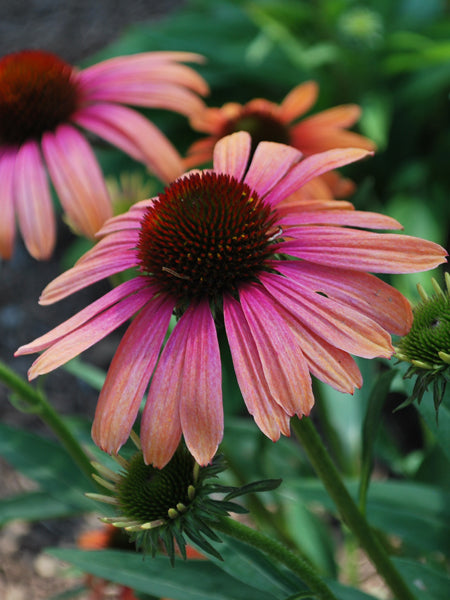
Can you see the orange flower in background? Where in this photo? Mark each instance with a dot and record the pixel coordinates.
(112, 537)
(267, 121)
(45, 103)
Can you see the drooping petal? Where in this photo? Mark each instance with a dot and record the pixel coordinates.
(269, 416)
(312, 166)
(129, 374)
(328, 363)
(7, 220)
(365, 250)
(364, 292)
(283, 363)
(353, 218)
(231, 154)
(201, 411)
(299, 101)
(179, 385)
(77, 178)
(33, 202)
(270, 163)
(88, 334)
(345, 328)
(135, 135)
(118, 294)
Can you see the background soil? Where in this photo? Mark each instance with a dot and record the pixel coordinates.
(74, 29)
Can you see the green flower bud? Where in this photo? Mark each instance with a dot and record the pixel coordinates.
(427, 345)
(161, 507)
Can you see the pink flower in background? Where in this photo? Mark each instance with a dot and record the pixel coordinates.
(43, 104)
(288, 283)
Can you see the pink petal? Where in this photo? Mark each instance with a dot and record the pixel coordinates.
(129, 374)
(187, 378)
(299, 101)
(201, 410)
(364, 250)
(88, 334)
(269, 416)
(103, 260)
(7, 220)
(312, 166)
(33, 202)
(270, 163)
(283, 364)
(77, 178)
(135, 135)
(363, 292)
(94, 309)
(344, 327)
(354, 218)
(145, 66)
(231, 154)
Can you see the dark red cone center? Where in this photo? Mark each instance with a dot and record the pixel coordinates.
(204, 235)
(37, 93)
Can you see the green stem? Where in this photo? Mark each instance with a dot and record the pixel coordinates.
(39, 405)
(352, 517)
(278, 552)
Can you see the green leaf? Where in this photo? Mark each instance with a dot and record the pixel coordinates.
(371, 424)
(416, 513)
(34, 506)
(47, 463)
(191, 580)
(427, 583)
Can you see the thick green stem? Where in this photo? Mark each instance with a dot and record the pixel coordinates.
(39, 405)
(278, 552)
(350, 514)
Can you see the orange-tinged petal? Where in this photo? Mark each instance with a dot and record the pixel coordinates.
(365, 250)
(345, 115)
(7, 220)
(270, 417)
(344, 327)
(314, 139)
(129, 374)
(284, 366)
(312, 166)
(77, 178)
(299, 101)
(270, 163)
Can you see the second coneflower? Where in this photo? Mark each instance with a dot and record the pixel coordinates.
(222, 248)
(46, 105)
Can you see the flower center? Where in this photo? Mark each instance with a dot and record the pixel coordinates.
(146, 494)
(262, 126)
(204, 235)
(37, 93)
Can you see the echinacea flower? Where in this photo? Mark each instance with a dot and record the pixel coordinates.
(44, 105)
(223, 248)
(267, 121)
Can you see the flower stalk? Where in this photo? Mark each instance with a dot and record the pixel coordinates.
(278, 552)
(348, 510)
(39, 405)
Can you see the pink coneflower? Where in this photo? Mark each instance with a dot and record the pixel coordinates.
(267, 121)
(221, 249)
(43, 104)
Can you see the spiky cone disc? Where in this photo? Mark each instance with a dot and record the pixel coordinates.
(160, 508)
(427, 345)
